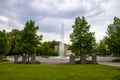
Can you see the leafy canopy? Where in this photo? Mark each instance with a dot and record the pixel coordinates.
(29, 40)
(113, 36)
(4, 43)
(82, 39)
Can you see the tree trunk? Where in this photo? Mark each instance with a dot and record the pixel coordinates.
(28, 58)
(23, 59)
(82, 57)
(27, 55)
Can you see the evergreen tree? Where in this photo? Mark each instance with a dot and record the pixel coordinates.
(82, 39)
(102, 48)
(4, 43)
(28, 41)
(13, 35)
(113, 37)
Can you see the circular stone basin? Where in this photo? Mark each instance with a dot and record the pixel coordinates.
(59, 57)
(55, 60)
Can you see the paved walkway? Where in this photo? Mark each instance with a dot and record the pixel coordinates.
(101, 60)
(53, 61)
(50, 60)
(108, 61)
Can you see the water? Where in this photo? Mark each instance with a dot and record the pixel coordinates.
(61, 49)
(61, 53)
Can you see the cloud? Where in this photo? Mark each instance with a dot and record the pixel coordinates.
(3, 18)
(49, 15)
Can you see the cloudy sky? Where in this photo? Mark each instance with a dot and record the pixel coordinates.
(50, 14)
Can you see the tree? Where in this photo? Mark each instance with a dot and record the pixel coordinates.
(39, 51)
(28, 40)
(102, 48)
(53, 43)
(82, 39)
(4, 43)
(47, 48)
(13, 35)
(113, 36)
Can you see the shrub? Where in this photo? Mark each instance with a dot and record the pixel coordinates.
(3, 58)
(116, 60)
(37, 62)
(87, 62)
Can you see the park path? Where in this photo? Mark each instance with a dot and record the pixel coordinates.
(108, 61)
(101, 60)
(53, 61)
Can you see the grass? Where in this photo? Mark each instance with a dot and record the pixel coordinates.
(9, 71)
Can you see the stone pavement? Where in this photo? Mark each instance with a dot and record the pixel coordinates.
(108, 61)
(53, 61)
(101, 60)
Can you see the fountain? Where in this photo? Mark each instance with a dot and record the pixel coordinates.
(61, 44)
(61, 49)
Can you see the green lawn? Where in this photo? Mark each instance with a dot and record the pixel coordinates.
(10, 71)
